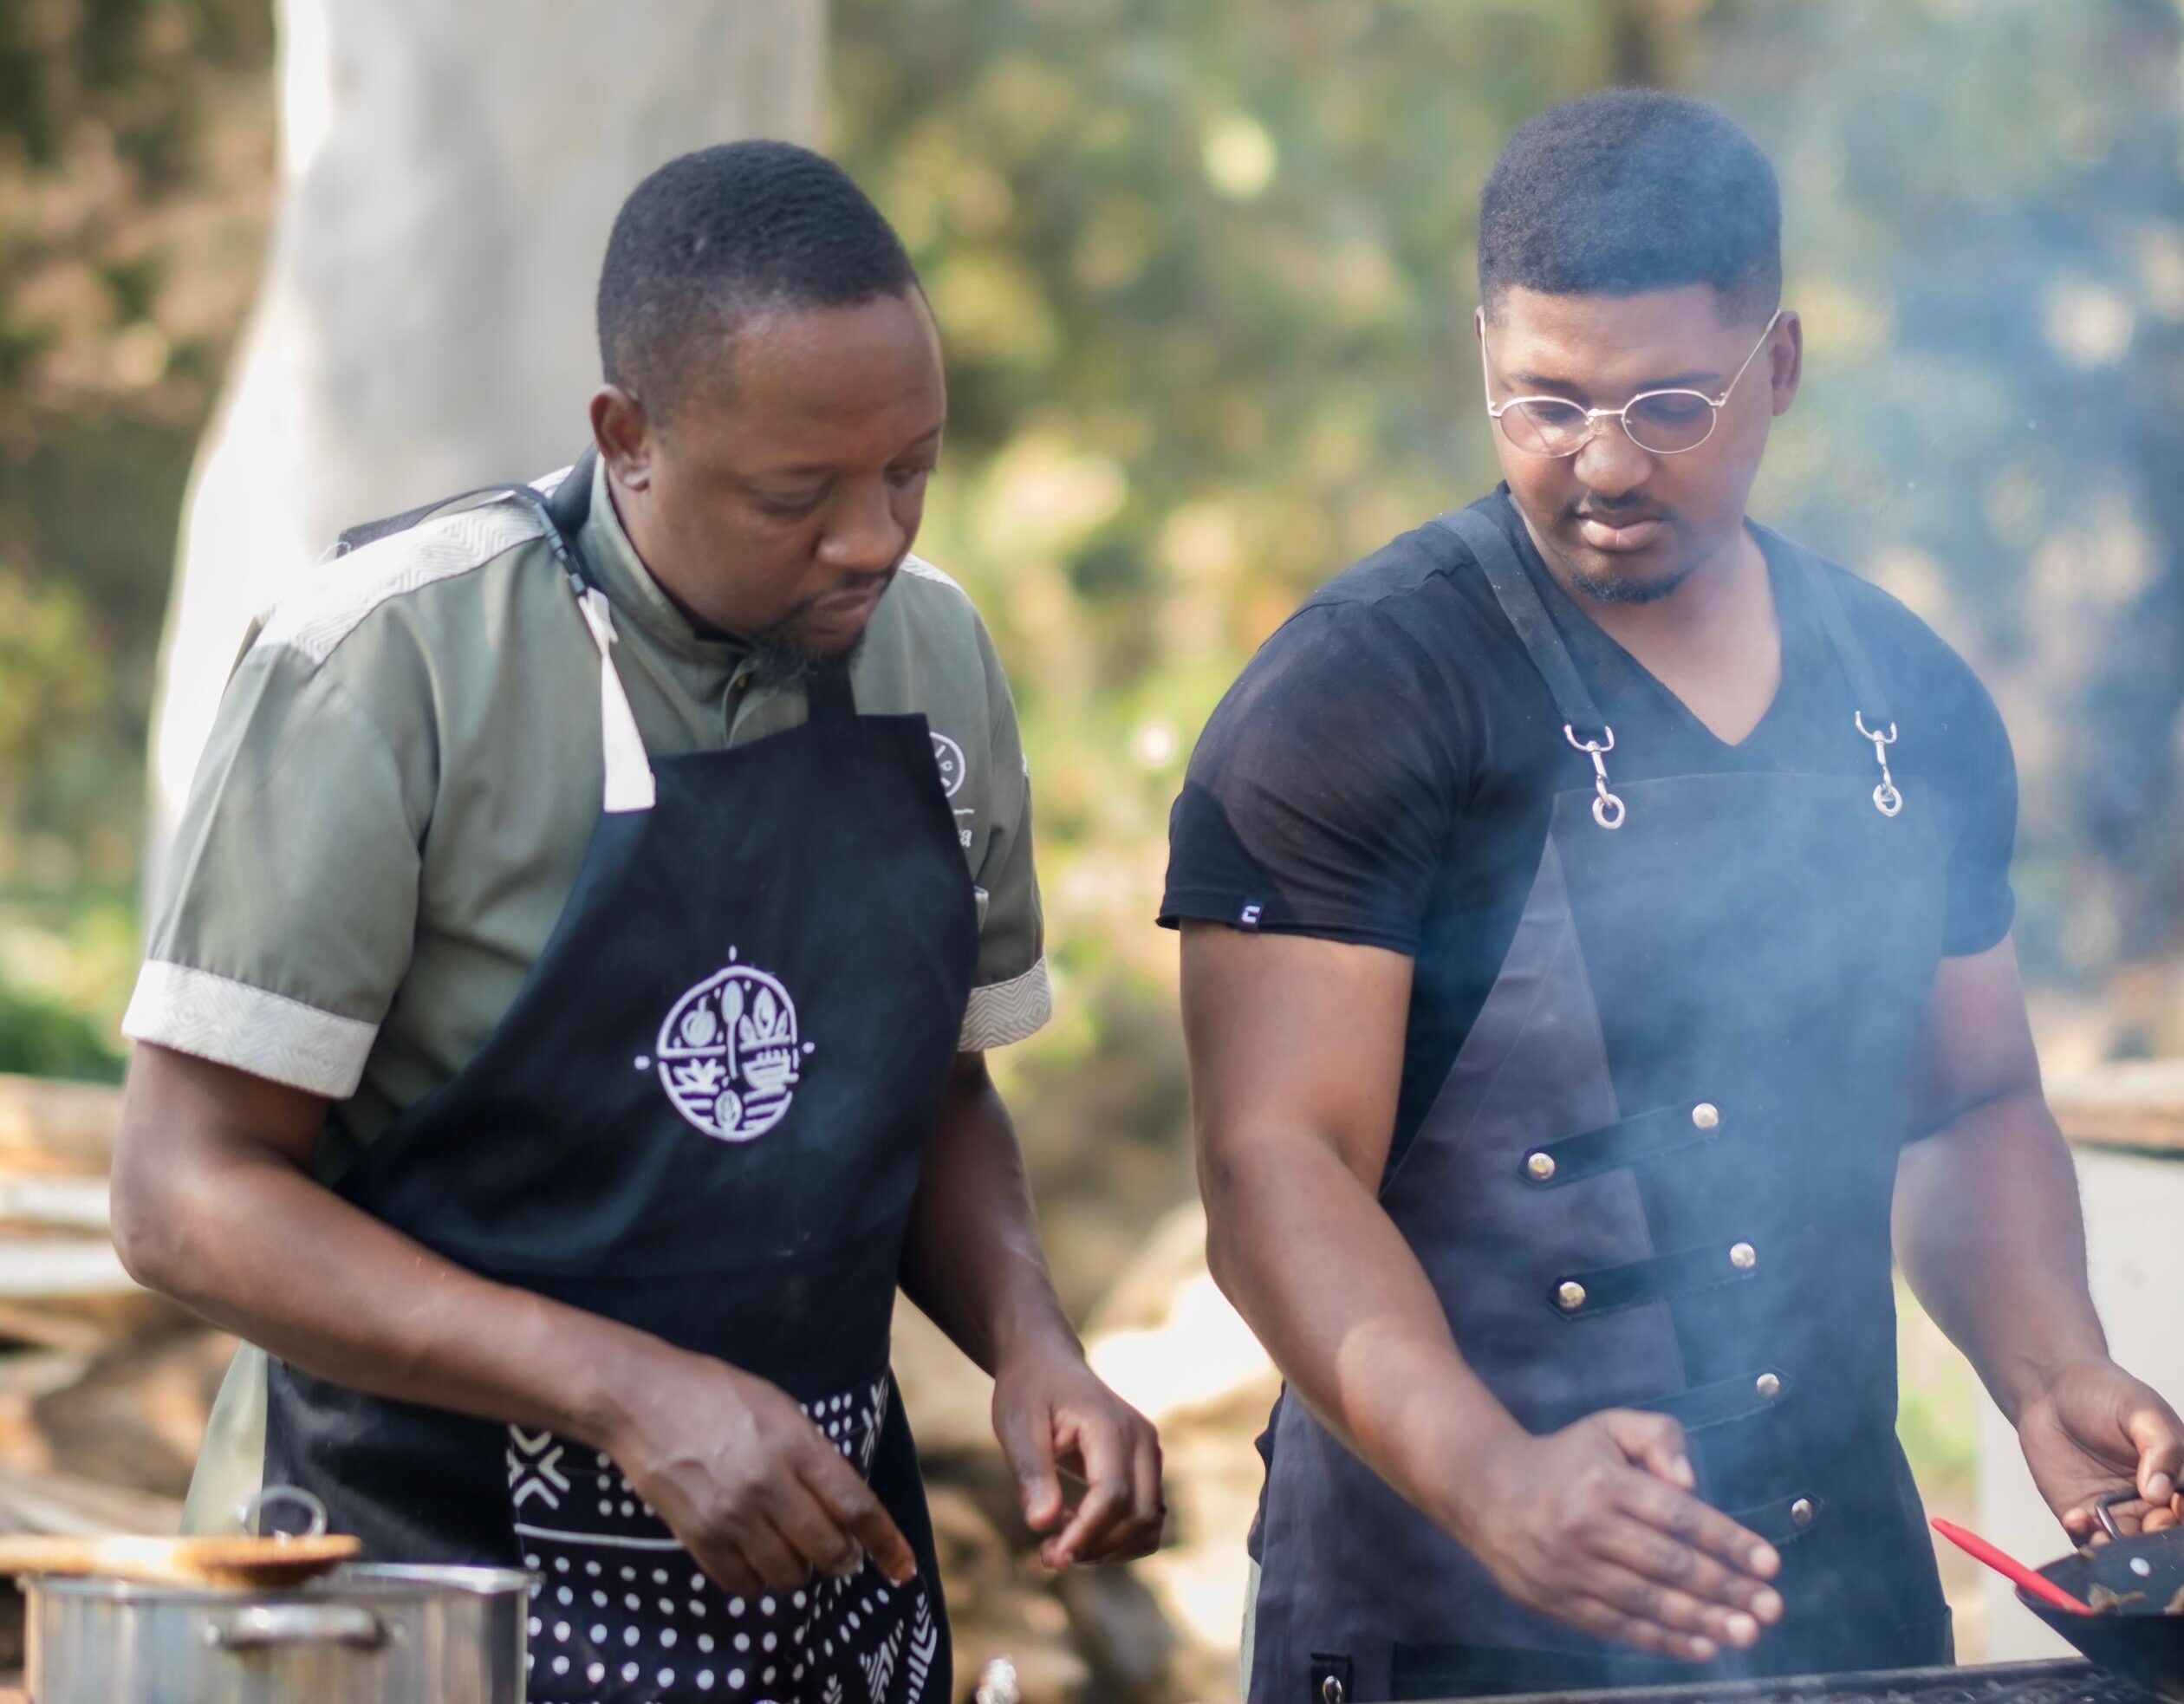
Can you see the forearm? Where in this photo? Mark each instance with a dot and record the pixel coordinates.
(249, 1240)
(971, 1259)
(1325, 1279)
(1988, 1232)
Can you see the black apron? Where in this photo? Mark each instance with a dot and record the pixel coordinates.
(704, 1116)
(1659, 1176)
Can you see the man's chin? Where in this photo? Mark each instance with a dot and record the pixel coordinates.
(1623, 576)
(796, 652)
(1616, 581)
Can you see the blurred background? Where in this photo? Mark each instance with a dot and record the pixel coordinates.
(1204, 272)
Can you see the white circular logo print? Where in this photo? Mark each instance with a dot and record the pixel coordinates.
(949, 756)
(729, 1054)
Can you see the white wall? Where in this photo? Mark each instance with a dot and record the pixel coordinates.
(448, 176)
(2134, 1230)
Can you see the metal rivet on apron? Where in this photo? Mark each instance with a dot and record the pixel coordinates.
(1801, 1513)
(1539, 1167)
(1744, 1257)
(1570, 1294)
(1707, 1115)
(1769, 1385)
(1331, 1690)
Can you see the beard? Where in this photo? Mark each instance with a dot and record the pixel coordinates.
(1618, 589)
(789, 651)
(782, 656)
(1602, 575)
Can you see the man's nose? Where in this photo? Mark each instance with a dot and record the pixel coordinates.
(1610, 465)
(863, 534)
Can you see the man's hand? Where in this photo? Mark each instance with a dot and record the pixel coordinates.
(751, 1487)
(1596, 1526)
(2094, 1430)
(1053, 1417)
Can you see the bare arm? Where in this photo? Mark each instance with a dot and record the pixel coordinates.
(971, 1261)
(214, 1204)
(1296, 1050)
(1988, 1232)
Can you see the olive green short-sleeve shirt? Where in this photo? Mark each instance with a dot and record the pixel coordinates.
(399, 789)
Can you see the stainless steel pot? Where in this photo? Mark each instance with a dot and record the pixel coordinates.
(365, 1633)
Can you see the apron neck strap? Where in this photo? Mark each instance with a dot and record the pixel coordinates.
(1865, 684)
(1519, 600)
(828, 697)
(569, 507)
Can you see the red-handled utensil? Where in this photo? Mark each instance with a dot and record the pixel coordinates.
(2008, 1566)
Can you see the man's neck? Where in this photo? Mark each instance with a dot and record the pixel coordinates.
(631, 517)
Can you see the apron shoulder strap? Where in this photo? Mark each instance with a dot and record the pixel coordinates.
(1872, 701)
(1519, 600)
(1872, 717)
(564, 513)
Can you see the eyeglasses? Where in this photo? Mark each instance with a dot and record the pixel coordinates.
(1665, 423)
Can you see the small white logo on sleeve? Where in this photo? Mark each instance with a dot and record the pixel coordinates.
(1249, 916)
(949, 756)
(730, 1055)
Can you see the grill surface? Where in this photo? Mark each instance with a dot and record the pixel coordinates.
(2000, 1683)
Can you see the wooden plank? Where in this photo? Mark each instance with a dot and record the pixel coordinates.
(2133, 1104)
(48, 1502)
(39, 1267)
(55, 1203)
(50, 1126)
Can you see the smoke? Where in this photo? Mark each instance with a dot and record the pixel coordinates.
(1984, 221)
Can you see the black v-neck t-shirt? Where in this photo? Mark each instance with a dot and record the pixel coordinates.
(1383, 771)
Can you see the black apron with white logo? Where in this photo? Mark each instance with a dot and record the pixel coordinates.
(1659, 1176)
(704, 1116)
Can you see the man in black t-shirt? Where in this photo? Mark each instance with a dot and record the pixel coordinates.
(1595, 917)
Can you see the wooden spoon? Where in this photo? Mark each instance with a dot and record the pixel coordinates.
(220, 1562)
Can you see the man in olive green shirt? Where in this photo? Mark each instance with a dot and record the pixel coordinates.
(311, 939)
(428, 837)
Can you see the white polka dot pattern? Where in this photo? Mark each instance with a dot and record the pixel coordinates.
(666, 1633)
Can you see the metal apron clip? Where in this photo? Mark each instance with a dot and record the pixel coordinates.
(1608, 809)
(1886, 799)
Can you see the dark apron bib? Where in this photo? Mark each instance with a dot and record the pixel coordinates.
(1658, 1175)
(704, 1117)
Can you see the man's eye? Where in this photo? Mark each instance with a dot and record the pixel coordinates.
(788, 503)
(905, 477)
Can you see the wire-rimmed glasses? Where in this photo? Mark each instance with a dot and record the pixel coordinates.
(1662, 423)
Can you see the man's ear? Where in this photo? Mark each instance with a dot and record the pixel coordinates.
(1785, 361)
(624, 434)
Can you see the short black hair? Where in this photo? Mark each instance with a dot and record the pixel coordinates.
(1628, 190)
(713, 237)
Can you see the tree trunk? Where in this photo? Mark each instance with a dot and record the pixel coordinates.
(448, 176)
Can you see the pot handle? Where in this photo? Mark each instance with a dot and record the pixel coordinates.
(2107, 1503)
(265, 1625)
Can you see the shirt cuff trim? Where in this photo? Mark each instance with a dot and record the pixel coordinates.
(232, 1023)
(1001, 1012)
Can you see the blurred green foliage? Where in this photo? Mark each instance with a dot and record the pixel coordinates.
(1204, 276)
(135, 150)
